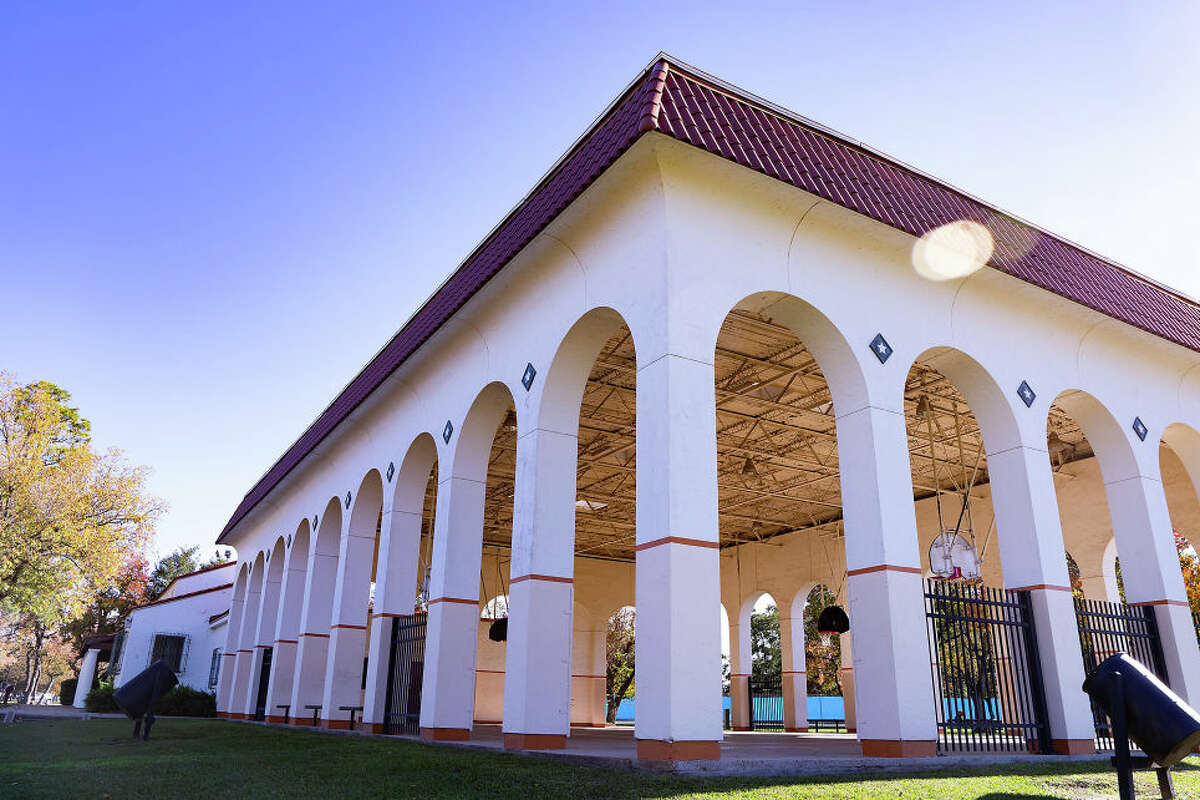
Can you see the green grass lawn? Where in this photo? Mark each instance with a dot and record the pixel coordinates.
(210, 759)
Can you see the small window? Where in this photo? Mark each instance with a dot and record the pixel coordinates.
(214, 670)
(169, 648)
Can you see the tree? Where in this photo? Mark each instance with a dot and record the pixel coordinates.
(618, 684)
(107, 610)
(766, 653)
(69, 516)
(1189, 565)
(823, 662)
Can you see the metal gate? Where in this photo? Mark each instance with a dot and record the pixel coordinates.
(987, 678)
(766, 703)
(406, 664)
(1109, 628)
(264, 681)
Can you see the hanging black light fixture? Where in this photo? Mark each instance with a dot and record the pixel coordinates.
(498, 631)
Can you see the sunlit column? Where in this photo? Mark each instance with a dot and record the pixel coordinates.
(1029, 535)
(447, 699)
(537, 685)
(348, 630)
(678, 641)
(890, 687)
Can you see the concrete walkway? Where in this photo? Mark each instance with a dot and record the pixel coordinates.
(20, 712)
(752, 754)
(757, 754)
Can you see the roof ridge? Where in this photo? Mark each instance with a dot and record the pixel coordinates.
(658, 81)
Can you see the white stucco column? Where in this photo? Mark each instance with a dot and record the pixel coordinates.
(448, 690)
(287, 631)
(537, 684)
(87, 674)
(892, 690)
(229, 654)
(1032, 557)
(348, 628)
(395, 594)
(243, 663)
(678, 644)
(795, 676)
(308, 685)
(1151, 575)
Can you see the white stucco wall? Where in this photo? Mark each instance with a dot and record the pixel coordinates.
(181, 613)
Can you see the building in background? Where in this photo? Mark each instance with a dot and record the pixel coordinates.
(185, 626)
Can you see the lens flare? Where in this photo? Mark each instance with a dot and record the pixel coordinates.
(954, 250)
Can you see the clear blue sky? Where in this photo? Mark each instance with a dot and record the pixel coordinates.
(211, 217)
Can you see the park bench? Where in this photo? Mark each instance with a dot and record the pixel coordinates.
(352, 710)
(287, 710)
(316, 709)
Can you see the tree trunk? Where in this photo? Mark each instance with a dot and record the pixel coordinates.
(615, 701)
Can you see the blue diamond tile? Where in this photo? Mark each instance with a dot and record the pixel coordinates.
(881, 348)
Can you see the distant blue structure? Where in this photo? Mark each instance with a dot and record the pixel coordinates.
(825, 709)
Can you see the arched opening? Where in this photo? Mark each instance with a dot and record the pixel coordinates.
(821, 666)
(243, 700)
(347, 661)
(779, 497)
(1179, 464)
(312, 650)
(401, 578)
(472, 542)
(237, 607)
(1117, 525)
(264, 648)
(619, 686)
(287, 627)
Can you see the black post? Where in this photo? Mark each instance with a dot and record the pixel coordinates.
(1120, 739)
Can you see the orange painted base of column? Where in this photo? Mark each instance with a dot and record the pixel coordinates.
(589, 724)
(335, 724)
(656, 750)
(237, 716)
(373, 727)
(893, 748)
(274, 720)
(796, 730)
(1073, 747)
(223, 715)
(534, 741)
(740, 728)
(445, 734)
(303, 722)
(487, 722)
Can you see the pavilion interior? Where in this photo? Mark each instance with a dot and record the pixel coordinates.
(778, 474)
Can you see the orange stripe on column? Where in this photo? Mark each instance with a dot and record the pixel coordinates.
(881, 568)
(454, 600)
(677, 540)
(1162, 603)
(549, 578)
(315, 635)
(286, 641)
(1050, 587)
(347, 625)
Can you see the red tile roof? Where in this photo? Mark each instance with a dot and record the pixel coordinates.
(691, 107)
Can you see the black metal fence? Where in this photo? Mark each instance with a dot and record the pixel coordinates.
(1106, 629)
(406, 664)
(766, 703)
(987, 678)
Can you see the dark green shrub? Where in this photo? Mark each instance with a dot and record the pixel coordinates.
(184, 701)
(100, 699)
(66, 691)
